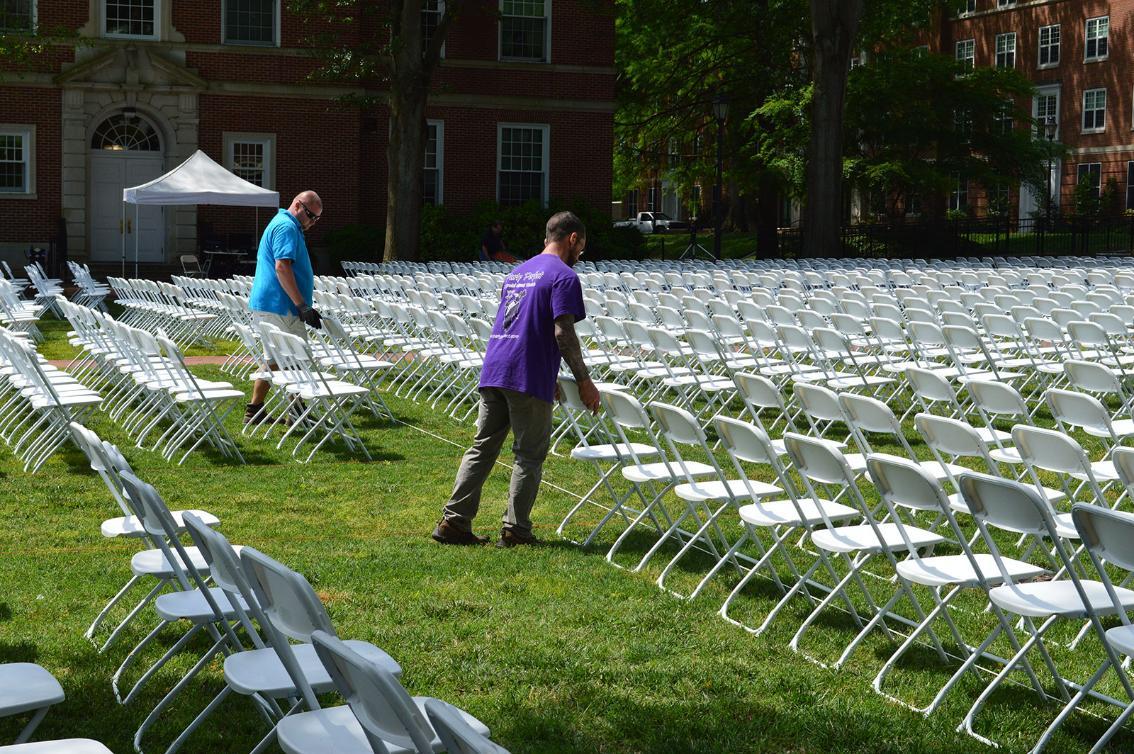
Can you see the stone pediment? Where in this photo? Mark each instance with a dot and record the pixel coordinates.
(131, 67)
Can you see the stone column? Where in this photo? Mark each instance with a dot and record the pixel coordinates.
(74, 176)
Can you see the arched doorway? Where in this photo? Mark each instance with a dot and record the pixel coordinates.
(125, 151)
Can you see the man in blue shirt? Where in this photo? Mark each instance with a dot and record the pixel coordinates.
(284, 283)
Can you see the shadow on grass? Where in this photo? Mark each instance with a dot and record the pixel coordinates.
(22, 651)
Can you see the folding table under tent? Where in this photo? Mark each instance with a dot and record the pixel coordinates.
(198, 180)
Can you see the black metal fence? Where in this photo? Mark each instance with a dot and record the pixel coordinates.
(979, 238)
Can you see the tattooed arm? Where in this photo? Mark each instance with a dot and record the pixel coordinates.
(572, 353)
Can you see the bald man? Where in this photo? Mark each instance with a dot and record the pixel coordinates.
(282, 290)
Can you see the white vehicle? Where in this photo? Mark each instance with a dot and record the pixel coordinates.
(651, 222)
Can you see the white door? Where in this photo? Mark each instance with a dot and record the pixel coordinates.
(111, 172)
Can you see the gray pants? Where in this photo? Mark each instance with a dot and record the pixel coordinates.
(530, 421)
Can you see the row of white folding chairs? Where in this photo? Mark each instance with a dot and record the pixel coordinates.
(48, 290)
(37, 401)
(154, 305)
(254, 608)
(88, 291)
(150, 391)
(827, 476)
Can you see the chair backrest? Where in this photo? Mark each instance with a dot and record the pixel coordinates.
(930, 385)
(285, 596)
(817, 460)
(1092, 376)
(1108, 534)
(1049, 449)
(903, 482)
(951, 436)
(819, 402)
(1006, 504)
(997, 398)
(383, 708)
(624, 410)
(457, 736)
(869, 414)
(677, 424)
(759, 390)
(1078, 410)
(747, 442)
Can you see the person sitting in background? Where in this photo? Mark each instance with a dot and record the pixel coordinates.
(493, 247)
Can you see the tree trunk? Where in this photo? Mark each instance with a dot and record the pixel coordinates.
(767, 218)
(834, 26)
(405, 157)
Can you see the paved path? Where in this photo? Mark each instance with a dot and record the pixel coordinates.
(189, 361)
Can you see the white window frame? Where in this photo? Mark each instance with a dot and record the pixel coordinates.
(651, 199)
(157, 23)
(1045, 92)
(969, 9)
(1057, 45)
(440, 126)
(1093, 129)
(34, 20)
(27, 133)
(960, 190)
(546, 36)
(1009, 40)
(546, 156)
(1089, 166)
(232, 138)
(440, 15)
(224, 29)
(1130, 185)
(1097, 20)
(1005, 3)
(970, 45)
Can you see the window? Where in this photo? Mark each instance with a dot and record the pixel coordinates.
(433, 191)
(674, 153)
(525, 30)
(1006, 50)
(632, 203)
(1049, 46)
(17, 15)
(966, 53)
(17, 145)
(698, 144)
(431, 13)
(1094, 110)
(251, 157)
(1130, 185)
(131, 18)
(522, 168)
(695, 201)
(1092, 173)
(251, 22)
(1098, 37)
(959, 196)
(1005, 3)
(1045, 109)
(652, 198)
(126, 132)
(969, 7)
(856, 61)
(963, 123)
(1003, 118)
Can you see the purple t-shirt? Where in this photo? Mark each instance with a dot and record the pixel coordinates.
(522, 354)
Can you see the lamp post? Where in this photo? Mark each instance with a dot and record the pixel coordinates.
(1049, 129)
(720, 112)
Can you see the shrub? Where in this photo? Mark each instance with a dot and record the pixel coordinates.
(354, 242)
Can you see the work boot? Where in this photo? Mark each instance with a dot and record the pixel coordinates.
(448, 534)
(513, 537)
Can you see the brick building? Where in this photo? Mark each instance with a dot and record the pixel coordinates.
(1077, 55)
(522, 108)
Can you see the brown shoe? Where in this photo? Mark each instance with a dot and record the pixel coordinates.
(447, 534)
(513, 537)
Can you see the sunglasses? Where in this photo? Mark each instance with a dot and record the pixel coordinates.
(310, 215)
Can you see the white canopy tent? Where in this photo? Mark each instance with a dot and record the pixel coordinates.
(198, 180)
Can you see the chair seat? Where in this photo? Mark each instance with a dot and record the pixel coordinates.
(862, 537)
(129, 526)
(1047, 598)
(62, 746)
(653, 472)
(192, 606)
(990, 435)
(611, 452)
(850, 382)
(1122, 428)
(25, 686)
(1103, 471)
(787, 513)
(153, 563)
(941, 472)
(1121, 638)
(718, 490)
(260, 670)
(336, 729)
(943, 570)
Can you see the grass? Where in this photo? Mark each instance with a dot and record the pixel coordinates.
(552, 647)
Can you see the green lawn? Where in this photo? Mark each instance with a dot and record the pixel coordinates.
(552, 647)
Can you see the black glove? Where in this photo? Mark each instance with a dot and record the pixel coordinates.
(310, 317)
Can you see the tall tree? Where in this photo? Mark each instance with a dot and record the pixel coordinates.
(393, 58)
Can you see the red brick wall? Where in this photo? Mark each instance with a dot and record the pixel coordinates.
(582, 32)
(29, 220)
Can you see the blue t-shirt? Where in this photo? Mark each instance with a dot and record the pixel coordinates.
(522, 354)
(282, 239)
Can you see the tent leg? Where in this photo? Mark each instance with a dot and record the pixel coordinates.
(137, 233)
(122, 235)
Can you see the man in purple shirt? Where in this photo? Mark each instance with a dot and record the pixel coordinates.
(535, 326)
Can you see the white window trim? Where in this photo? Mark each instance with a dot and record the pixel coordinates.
(440, 15)
(28, 134)
(224, 31)
(546, 128)
(268, 140)
(1082, 117)
(546, 37)
(34, 18)
(1089, 164)
(440, 125)
(1008, 35)
(1039, 47)
(157, 23)
(1048, 91)
(1097, 58)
